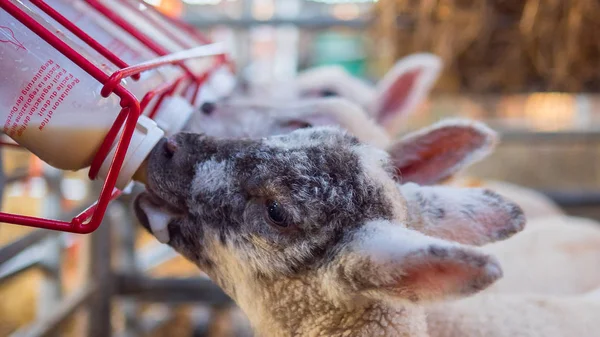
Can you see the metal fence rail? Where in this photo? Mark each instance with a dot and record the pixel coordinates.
(43, 249)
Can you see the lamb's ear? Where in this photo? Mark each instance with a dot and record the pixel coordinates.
(472, 216)
(333, 111)
(405, 86)
(387, 261)
(435, 153)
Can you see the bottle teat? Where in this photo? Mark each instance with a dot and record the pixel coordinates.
(145, 136)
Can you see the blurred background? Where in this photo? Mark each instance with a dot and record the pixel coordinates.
(529, 68)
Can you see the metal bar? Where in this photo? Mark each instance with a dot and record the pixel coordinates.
(171, 290)
(152, 320)
(12, 249)
(317, 22)
(47, 326)
(19, 175)
(99, 324)
(17, 265)
(29, 257)
(153, 256)
(207, 50)
(574, 199)
(126, 232)
(51, 285)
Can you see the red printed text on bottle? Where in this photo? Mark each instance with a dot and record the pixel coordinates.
(42, 95)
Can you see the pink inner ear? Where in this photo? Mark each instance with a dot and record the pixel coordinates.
(397, 94)
(438, 276)
(435, 279)
(437, 155)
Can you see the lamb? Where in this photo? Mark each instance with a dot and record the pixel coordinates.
(394, 99)
(431, 156)
(397, 95)
(311, 235)
(237, 117)
(492, 315)
(559, 257)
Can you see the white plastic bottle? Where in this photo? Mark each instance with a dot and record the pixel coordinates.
(54, 108)
(220, 84)
(174, 111)
(113, 37)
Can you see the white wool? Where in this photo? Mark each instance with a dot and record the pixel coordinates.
(523, 315)
(555, 255)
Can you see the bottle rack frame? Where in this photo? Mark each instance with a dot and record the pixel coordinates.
(131, 108)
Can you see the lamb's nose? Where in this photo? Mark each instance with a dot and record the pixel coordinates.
(171, 146)
(208, 107)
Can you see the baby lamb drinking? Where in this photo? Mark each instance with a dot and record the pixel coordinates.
(311, 235)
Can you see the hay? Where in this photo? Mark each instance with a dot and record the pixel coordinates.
(497, 45)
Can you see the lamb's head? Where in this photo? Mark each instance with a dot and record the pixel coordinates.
(244, 117)
(395, 96)
(316, 216)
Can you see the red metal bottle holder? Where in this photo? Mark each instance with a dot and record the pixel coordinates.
(90, 219)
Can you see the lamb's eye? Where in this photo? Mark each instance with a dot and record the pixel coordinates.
(275, 213)
(296, 124)
(328, 93)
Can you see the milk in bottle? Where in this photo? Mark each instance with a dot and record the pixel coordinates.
(53, 108)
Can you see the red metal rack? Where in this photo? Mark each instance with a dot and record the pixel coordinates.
(90, 219)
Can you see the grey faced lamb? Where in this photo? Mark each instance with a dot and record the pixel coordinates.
(311, 235)
(431, 156)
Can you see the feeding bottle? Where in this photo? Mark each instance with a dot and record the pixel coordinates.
(173, 112)
(220, 82)
(54, 108)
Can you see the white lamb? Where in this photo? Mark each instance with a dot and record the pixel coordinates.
(523, 315)
(557, 256)
(395, 98)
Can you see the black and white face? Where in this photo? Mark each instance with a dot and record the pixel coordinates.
(310, 201)
(282, 201)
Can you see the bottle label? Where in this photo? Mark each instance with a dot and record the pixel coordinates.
(42, 95)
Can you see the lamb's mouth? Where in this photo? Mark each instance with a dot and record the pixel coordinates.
(155, 215)
(155, 208)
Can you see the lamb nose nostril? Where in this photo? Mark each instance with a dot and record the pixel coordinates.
(208, 107)
(171, 146)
